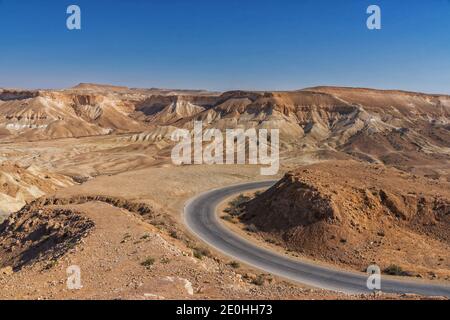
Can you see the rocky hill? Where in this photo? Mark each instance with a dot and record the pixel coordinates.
(407, 130)
(38, 115)
(410, 131)
(354, 214)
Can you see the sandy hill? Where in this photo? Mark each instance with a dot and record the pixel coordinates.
(53, 114)
(99, 87)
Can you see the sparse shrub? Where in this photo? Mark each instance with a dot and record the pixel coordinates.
(395, 270)
(50, 264)
(234, 264)
(251, 228)
(199, 253)
(236, 206)
(148, 262)
(228, 219)
(145, 236)
(80, 179)
(259, 280)
(240, 200)
(158, 223)
(248, 276)
(173, 234)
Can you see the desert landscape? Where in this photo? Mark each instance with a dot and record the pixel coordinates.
(87, 179)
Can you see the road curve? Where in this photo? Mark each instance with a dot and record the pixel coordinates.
(200, 217)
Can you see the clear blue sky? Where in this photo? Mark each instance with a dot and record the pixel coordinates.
(226, 44)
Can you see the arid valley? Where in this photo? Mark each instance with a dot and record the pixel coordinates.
(87, 179)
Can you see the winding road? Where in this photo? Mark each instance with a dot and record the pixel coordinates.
(200, 217)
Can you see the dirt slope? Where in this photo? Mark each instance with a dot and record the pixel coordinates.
(120, 256)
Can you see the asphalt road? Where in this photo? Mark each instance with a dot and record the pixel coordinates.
(200, 217)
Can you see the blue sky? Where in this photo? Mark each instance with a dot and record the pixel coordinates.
(226, 44)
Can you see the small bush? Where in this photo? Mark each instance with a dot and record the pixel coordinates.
(199, 253)
(228, 219)
(148, 262)
(50, 264)
(240, 200)
(173, 234)
(395, 270)
(234, 264)
(80, 179)
(145, 236)
(251, 228)
(236, 206)
(259, 280)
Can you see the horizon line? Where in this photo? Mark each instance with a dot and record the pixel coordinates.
(125, 87)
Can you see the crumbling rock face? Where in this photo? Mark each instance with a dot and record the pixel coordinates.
(32, 235)
(295, 203)
(6, 95)
(87, 99)
(145, 211)
(139, 208)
